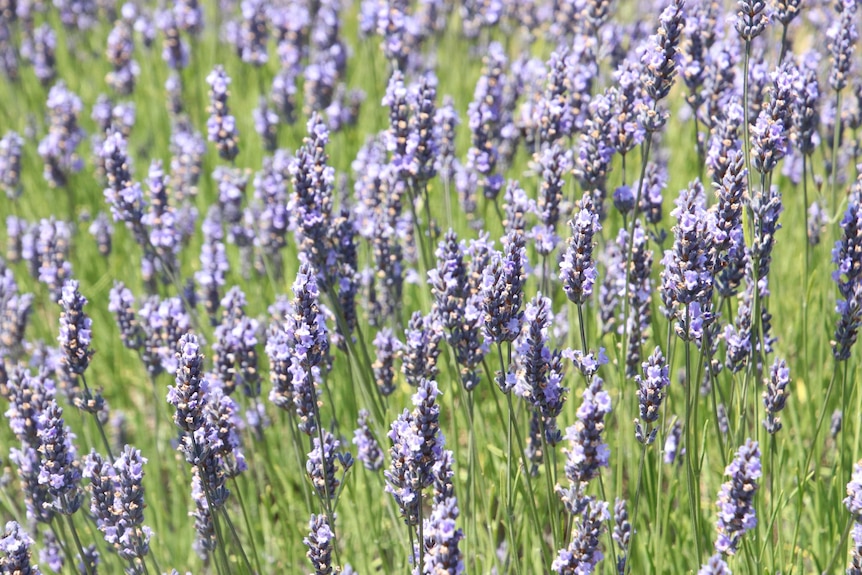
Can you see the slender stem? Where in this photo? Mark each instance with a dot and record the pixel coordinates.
(838, 547)
(803, 471)
(238, 541)
(421, 538)
(531, 499)
(693, 495)
(247, 525)
(510, 512)
(88, 395)
(581, 326)
(80, 547)
(628, 550)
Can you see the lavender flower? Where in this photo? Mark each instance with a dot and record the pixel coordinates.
(319, 543)
(367, 448)
(10, 163)
(321, 465)
(751, 19)
(687, 276)
(441, 538)
(416, 447)
(175, 50)
(421, 349)
(60, 470)
(15, 548)
(736, 514)
(221, 126)
(538, 370)
(588, 452)
(102, 231)
(189, 394)
(651, 393)
(715, 566)
(583, 553)
(842, 43)
(577, 268)
(771, 132)
(59, 147)
(596, 149)
(853, 501)
(254, 33)
(39, 47)
(775, 395)
(388, 349)
(554, 163)
(311, 203)
(119, 54)
(486, 121)
(74, 330)
(622, 532)
(672, 451)
(502, 291)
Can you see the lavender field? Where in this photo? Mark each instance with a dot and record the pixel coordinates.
(378, 286)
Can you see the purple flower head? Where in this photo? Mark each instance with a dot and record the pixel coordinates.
(673, 450)
(441, 539)
(175, 50)
(188, 396)
(421, 348)
(502, 291)
(584, 552)
(60, 470)
(221, 126)
(102, 231)
(319, 542)
(254, 33)
(367, 448)
(10, 163)
(842, 36)
(659, 58)
(736, 514)
(311, 204)
(775, 395)
(75, 333)
(15, 546)
(651, 393)
(715, 566)
(321, 465)
(577, 268)
(119, 53)
(688, 266)
(59, 147)
(853, 501)
(538, 370)
(417, 445)
(588, 452)
(486, 121)
(751, 19)
(388, 349)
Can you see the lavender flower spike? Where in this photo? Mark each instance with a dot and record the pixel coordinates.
(188, 396)
(735, 503)
(578, 269)
(74, 330)
(583, 553)
(15, 546)
(60, 471)
(221, 126)
(319, 543)
(651, 393)
(775, 395)
(853, 501)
